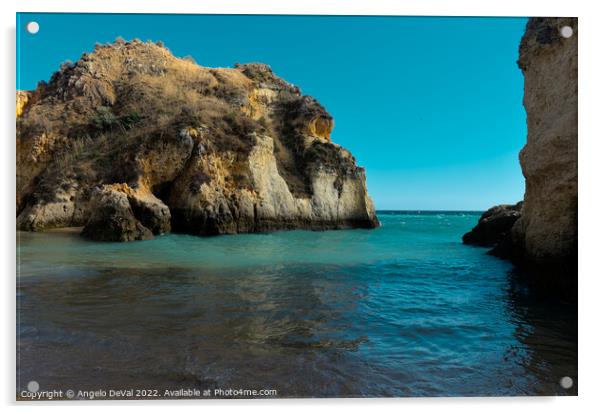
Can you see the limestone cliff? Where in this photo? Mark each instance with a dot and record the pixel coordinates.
(130, 141)
(546, 233)
(543, 237)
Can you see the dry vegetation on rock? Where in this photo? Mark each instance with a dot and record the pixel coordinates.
(222, 150)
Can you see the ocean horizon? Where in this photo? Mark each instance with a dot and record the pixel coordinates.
(427, 211)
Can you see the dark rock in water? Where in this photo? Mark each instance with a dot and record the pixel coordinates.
(119, 213)
(494, 227)
(504, 248)
(152, 213)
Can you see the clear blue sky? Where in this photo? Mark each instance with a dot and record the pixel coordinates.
(431, 107)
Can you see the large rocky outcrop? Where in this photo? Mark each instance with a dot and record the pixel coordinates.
(130, 141)
(546, 233)
(544, 237)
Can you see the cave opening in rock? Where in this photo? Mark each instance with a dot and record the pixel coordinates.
(163, 192)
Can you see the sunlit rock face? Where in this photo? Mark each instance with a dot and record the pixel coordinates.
(540, 234)
(546, 233)
(131, 132)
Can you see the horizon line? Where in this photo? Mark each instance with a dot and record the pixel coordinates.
(430, 210)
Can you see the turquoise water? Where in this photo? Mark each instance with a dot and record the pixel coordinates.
(402, 310)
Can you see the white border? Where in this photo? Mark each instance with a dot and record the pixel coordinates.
(346, 7)
(590, 157)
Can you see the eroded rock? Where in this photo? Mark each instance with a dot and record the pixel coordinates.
(112, 218)
(120, 213)
(494, 225)
(546, 233)
(494, 229)
(174, 144)
(544, 238)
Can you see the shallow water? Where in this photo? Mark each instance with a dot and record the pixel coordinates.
(402, 310)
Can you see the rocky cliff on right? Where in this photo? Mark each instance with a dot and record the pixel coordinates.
(544, 237)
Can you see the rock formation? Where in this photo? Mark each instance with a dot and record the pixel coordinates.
(494, 229)
(546, 233)
(130, 141)
(544, 238)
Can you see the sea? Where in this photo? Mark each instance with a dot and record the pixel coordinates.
(404, 310)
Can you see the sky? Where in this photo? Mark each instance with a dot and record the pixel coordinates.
(430, 106)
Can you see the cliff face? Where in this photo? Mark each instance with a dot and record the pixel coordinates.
(543, 237)
(130, 141)
(546, 233)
